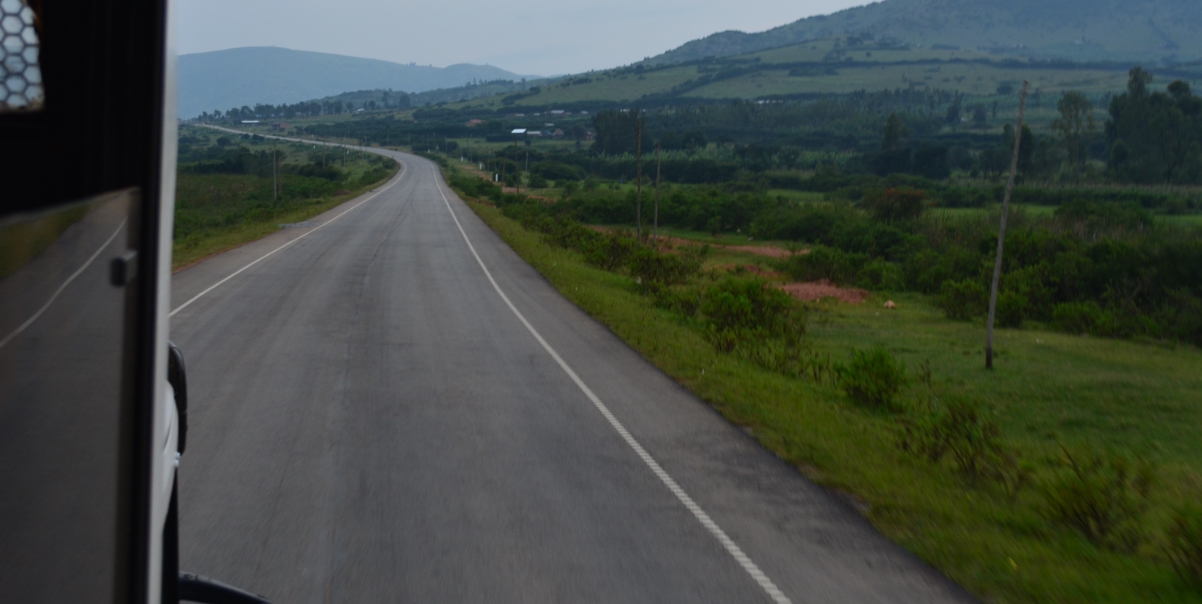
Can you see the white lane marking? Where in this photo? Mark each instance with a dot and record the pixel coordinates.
(60, 289)
(404, 169)
(733, 548)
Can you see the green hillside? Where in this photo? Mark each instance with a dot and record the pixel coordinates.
(836, 66)
(1146, 31)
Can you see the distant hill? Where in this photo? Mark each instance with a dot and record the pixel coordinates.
(245, 76)
(1144, 31)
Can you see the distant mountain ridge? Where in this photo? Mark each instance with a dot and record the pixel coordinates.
(1145, 31)
(244, 76)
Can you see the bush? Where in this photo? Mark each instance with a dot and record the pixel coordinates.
(881, 275)
(962, 300)
(967, 433)
(873, 378)
(825, 263)
(1083, 317)
(1011, 309)
(655, 269)
(536, 181)
(1102, 496)
(611, 252)
(896, 205)
(1184, 542)
(737, 310)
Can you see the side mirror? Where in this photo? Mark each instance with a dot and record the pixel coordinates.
(178, 378)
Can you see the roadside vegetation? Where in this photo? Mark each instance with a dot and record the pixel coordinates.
(1068, 474)
(229, 193)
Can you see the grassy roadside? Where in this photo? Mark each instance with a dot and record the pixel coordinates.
(1049, 388)
(221, 186)
(217, 210)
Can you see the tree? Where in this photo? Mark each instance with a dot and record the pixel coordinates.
(953, 110)
(616, 132)
(980, 118)
(895, 133)
(1026, 149)
(1155, 136)
(1075, 127)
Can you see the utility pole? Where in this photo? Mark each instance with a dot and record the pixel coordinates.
(517, 181)
(655, 233)
(275, 189)
(1001, 235)
(638, 187)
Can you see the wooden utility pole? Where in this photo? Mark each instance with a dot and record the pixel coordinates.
(655, 232)
(1001, 235)
(275, 189)
(638, 204)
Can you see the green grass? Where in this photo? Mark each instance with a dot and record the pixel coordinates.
(229, 210)
(773, 72)
(1047, 211)
(1133, 396)
(1030, 210)
(1186, 219)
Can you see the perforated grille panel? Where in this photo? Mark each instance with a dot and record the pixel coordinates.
(20, 74)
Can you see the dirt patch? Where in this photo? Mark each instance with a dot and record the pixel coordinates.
(817, 290)
(750, 268)
(667, 243)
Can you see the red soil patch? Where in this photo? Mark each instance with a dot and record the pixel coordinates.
(762, 250)
(751, 268)
(817, 290)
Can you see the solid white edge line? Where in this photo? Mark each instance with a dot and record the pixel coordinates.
(404, 169)
(737, 553)
(60, 289)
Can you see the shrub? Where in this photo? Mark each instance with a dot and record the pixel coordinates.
(896, 205)
(967, 433)
(745, 304)
(611, 252)
(824, 263)
(873, 378)
(684, 301)
(962, 300)
(1101, 495)
(1185, 543)
(1011, 309)
(536, 181)
(882, 275)
(656, 269)
(1083, 317)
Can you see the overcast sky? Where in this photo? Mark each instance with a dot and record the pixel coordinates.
(529, 37)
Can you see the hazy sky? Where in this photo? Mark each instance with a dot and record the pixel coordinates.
(541, 37)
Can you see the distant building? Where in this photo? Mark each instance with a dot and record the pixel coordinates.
(536, 133)
(518, 131)
(473, 123)
(557, 134)
(250, 121)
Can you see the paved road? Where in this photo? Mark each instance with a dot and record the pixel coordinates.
(372, 420)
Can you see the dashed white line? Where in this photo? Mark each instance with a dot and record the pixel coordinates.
(731, 547)
(60, 289)
(214, 286)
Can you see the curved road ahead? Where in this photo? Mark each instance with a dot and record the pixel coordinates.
(383, 412)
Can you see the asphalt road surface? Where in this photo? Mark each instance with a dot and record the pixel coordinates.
(388, 405)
